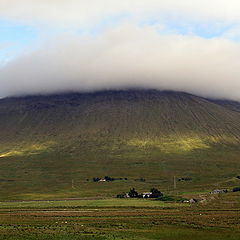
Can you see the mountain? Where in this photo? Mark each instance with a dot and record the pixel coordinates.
(146, 136)
(232, 105)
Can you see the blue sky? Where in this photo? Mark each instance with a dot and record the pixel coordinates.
(14, 38)
(199, 29)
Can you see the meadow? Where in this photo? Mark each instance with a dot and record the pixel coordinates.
(49, 175)
(217, 218)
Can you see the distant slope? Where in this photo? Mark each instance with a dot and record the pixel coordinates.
(46, 141)
(232, 105)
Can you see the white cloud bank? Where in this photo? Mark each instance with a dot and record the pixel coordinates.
(127, 56)
(88, 11)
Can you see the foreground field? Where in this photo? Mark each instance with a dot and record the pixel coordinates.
(215, 219)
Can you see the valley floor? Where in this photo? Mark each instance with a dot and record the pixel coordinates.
(215, 219)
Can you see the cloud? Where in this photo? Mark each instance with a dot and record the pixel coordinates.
(89, 45)
(127, 56)
(89, 11)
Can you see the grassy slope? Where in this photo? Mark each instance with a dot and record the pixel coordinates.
(46, 141)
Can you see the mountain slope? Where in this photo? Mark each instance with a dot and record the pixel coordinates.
(232, 105)
(115, 114)
(46, 141)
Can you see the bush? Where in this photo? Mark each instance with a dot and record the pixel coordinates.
(109, 179)
(236, 189)
(155, 193)
(140, 180)
(133, 193)
(166, 198)
(184, 179)
(121, 195)
(96, 179)
(170, 199)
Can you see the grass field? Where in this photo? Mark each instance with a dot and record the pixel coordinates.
(49, 175)
(215, 219)
(114, 202)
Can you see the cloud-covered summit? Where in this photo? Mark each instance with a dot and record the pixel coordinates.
(94, 45)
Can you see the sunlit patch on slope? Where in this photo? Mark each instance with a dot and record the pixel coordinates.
(224, 139)
(26, 150)
(171, 145)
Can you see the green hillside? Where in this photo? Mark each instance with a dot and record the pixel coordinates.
(146, 136)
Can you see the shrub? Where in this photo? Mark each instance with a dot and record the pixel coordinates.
(141, 180)
(121, 195)
(236, 189)
(185, 179)
(166, 198)
(109, 179)
(155, 193)
(170, 199)
(96, 179)
(133, 193)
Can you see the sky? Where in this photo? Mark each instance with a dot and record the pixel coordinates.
(49, 46)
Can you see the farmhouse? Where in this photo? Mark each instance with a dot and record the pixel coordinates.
(102, 180)
(146, 194)
(217, 191)
(192, 200)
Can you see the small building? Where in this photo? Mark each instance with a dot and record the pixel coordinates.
(126, 195)
(217, 191)
(146, 195)
(192, 200)
(102, 180)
